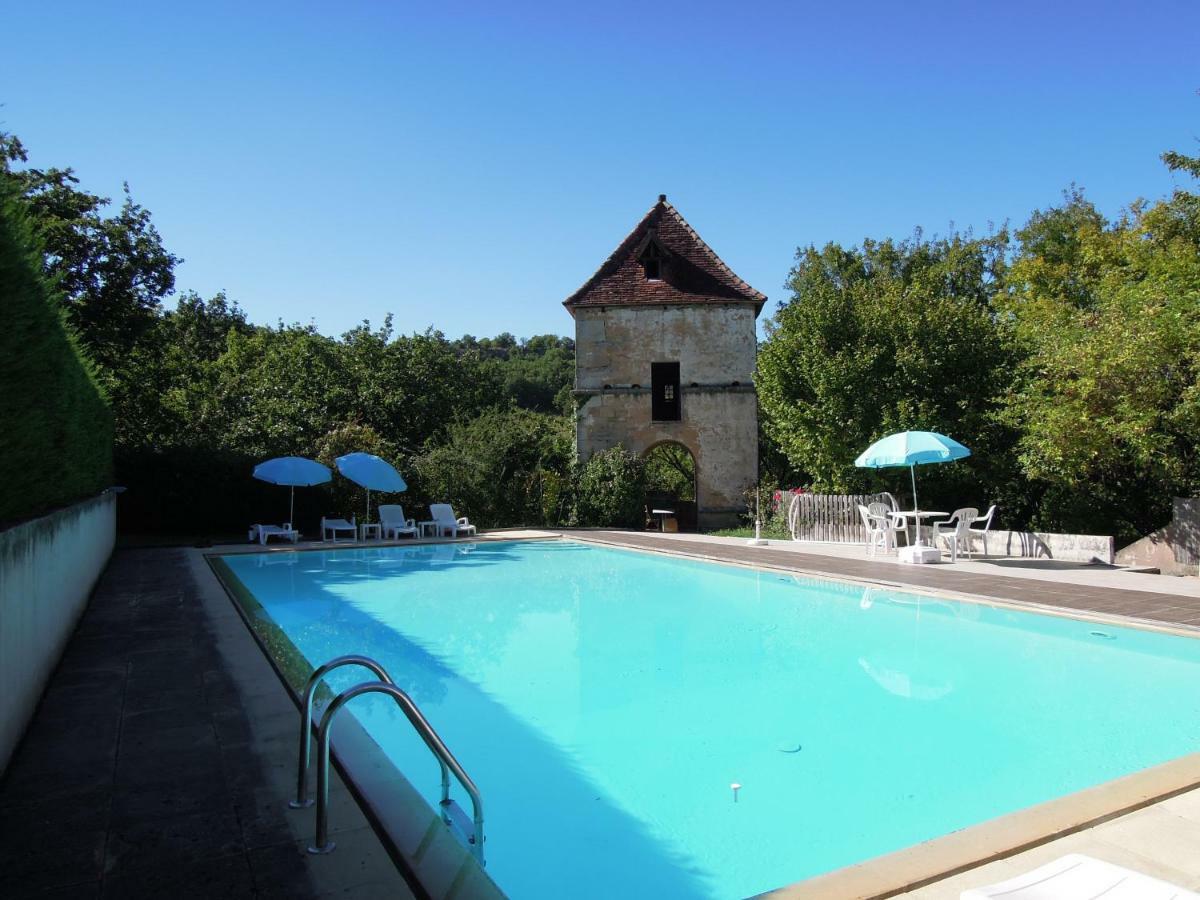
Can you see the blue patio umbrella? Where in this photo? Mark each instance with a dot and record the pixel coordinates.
(294, 471)
(912, 449)
(369, 471)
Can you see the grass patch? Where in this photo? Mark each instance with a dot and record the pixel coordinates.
(774, 534)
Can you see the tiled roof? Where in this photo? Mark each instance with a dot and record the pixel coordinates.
(693, 272)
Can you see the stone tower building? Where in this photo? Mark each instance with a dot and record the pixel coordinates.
(665, 347)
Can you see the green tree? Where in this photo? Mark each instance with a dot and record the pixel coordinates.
(112, 271)
(1108, 403)
(670, 469)
(890, 337)
(535, 374)
(504, 467)
(281, 389)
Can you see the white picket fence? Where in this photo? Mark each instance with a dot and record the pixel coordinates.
(831, 517)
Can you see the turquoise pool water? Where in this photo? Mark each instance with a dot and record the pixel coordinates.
(605, 700)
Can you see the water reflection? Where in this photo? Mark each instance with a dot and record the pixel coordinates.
(904, 666)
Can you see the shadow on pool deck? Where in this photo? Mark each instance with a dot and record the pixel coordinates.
(139, 775)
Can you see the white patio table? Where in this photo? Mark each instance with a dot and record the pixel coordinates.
(915, 548)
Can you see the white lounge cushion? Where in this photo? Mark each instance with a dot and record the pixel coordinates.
(1079, 877)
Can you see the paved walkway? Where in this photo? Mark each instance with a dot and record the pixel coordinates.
(150, 769)
(1088, 589)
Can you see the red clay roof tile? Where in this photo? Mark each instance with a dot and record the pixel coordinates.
(692, 273)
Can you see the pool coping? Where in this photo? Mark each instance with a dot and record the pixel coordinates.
(890, 874)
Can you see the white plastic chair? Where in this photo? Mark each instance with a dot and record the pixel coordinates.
(446, 522)
(986, 519)
(961, 520)
(393, 523)
(331, 527)
(892, 525)
(877, 530)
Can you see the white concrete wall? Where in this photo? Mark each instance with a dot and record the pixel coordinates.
(1047, 545)
(48, 567)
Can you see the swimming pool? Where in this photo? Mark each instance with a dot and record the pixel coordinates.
(606, 700)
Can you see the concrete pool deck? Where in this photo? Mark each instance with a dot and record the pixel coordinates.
(162, 755)
(1105, 591)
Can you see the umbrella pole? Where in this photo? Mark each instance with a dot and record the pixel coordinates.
(912, 471)
(291, 504)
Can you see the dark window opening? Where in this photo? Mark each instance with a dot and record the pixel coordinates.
(664, 403)
(653, 259)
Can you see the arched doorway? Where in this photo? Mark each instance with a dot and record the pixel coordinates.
(671, 482)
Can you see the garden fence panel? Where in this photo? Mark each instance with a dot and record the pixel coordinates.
(831, 518)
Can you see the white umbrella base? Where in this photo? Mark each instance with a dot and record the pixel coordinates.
(918, 554)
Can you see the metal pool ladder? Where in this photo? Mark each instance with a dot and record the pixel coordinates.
(452, 814)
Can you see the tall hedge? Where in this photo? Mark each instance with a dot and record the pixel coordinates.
(56, 429)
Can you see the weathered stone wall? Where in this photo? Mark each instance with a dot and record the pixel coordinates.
(715, 347)
(615, 345)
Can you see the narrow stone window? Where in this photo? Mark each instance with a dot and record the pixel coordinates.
(664, 401)
(653, 260)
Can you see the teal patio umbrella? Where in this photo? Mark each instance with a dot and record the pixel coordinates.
(292, 471)
(369, 471)
(912, 449)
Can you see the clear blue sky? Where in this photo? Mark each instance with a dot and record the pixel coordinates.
(468, 167)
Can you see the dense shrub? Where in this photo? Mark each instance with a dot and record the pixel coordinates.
(198, 490)
(505, 467)
(56, 441)
(611, 490)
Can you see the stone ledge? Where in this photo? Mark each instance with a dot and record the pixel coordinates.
(683, 390)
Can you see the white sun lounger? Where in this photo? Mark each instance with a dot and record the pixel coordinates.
(260, 533)
(446, 522)
(394, 523)
(331, 527)
(1079, 877)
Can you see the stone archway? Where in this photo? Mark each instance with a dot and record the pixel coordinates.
(671, 481)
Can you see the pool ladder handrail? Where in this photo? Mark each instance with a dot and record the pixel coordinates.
(302, 800)
(449, 809)
(432, 741)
